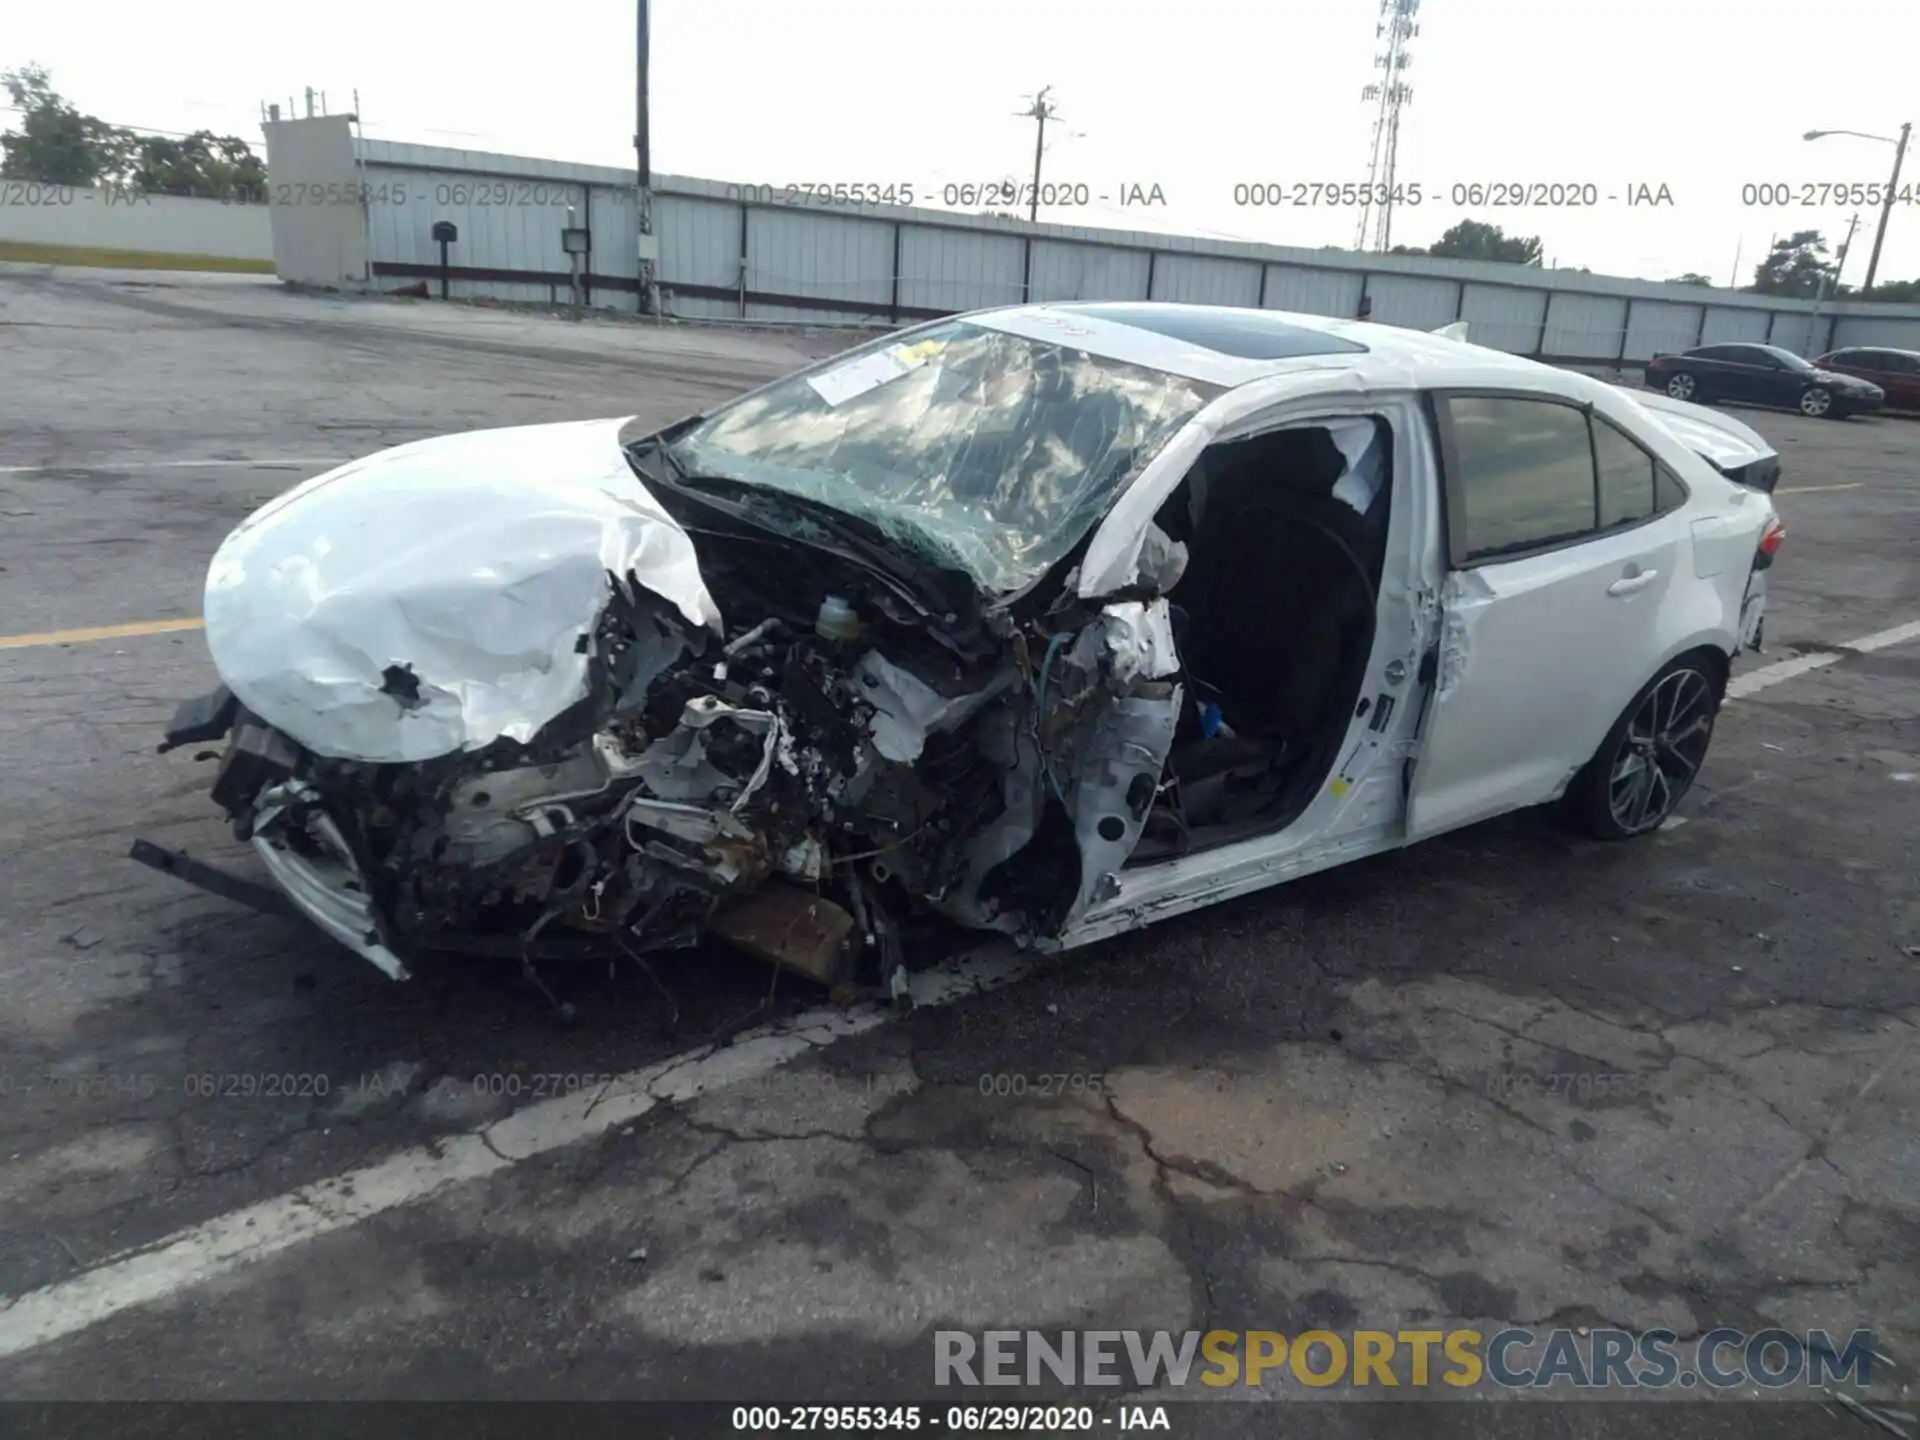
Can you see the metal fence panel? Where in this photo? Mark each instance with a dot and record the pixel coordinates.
(1206, 280)
(959, 269)
(1502, 318)
(1418, 302)
(811, 255)
(1726, 325)
(1313, 292)
(1066, 271)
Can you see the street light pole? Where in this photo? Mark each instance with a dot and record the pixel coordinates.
(1886, 209)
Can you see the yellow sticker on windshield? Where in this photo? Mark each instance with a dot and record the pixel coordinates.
(920, 353)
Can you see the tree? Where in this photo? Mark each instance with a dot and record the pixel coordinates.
(1476, 240)
(57, 145)
(1794, 267)
(1692, 277)
(1903, 292)
(215, 166)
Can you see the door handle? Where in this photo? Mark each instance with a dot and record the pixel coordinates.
(1628, 584)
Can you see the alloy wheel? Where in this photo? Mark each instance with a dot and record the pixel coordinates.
(1661, 751)
(1680, 387)
(1815, 402)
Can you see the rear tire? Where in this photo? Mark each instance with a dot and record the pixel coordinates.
(1681, 387)
(1649, 760)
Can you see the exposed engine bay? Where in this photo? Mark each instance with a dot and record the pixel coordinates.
(790, 781)
(467, 711)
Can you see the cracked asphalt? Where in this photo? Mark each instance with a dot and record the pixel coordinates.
(1505, 1077)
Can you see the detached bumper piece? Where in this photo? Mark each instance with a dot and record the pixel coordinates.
(214, 880)
(202, 721)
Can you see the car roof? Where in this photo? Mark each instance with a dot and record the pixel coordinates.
(1231, 346)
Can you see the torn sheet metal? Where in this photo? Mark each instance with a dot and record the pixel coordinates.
(906, 710)
(1139, 640)
(676, 766)
(433, 598)
(1114, 782)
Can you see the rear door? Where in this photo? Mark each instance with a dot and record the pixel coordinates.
(1900, 378)
(1562, 543)
(1866, 364)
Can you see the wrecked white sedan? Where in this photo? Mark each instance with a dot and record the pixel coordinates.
(1052, 620)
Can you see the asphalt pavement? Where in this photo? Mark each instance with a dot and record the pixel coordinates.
(1502, 1078)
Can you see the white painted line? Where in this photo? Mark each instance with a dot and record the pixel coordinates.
(1881, 639)
(291, 462)
(1817, 489)
(191, 1257)
(1755, 680)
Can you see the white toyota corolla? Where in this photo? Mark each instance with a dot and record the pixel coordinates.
(1052, 620)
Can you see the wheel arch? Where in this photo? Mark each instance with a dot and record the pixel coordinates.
(1705, 648)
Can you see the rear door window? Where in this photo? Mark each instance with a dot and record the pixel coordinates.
(1520, 476)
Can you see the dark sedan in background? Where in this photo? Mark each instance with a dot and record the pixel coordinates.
(1762, 375)
(1897, 372)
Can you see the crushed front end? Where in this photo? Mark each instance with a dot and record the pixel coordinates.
(612, 769)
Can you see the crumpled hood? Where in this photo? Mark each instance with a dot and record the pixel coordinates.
(477, 561)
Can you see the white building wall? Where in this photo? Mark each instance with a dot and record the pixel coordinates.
(318, 210)
(85, 217)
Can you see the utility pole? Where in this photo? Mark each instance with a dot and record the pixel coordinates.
(1040, 111)
(1886, 209)
(647, 245)
(1829, 281)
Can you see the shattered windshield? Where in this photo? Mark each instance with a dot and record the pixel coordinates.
(978, 450)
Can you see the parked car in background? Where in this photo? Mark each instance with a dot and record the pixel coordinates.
(1897, 372)
(1051, 620)
(1762, 375)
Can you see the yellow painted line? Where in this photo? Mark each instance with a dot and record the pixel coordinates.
(99, 632)
(1810, 489)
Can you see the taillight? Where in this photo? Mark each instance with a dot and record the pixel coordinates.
(1772, 536)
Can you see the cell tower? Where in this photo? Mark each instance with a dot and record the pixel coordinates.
(1390, 95)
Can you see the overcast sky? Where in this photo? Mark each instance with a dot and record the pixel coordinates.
(1701, 96)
